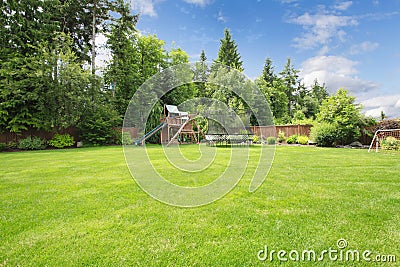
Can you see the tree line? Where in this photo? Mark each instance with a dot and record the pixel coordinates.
(49, 80)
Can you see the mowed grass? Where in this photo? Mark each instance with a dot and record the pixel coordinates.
(80, 207)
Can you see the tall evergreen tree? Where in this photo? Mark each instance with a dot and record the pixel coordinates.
(273, 89)
(25, 25)
(289, 76)
(122, 73)
(203, 57)
(83, 20)
(201, 72)
(229, 56)
(319, 92)
(268, 74)
(228, 52)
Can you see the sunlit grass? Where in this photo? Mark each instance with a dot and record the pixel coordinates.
(81, 207)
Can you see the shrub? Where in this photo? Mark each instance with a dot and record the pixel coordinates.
(271, 140)
(281, 137)
(292, 139)
(117, 136)
(341, 111)
(390, 143)
(302, 140)
(97, 126)
(126, 139)
(12, 145)
(325, 134)
(3, 146)
(244, 131)
(256, 139)
(32, 143)
(62, 140)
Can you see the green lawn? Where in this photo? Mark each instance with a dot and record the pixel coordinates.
(80, 207)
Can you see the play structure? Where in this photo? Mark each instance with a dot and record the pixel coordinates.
(176, 127)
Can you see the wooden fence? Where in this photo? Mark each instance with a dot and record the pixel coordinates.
(264, 131)
(7, 137)
(288, 130)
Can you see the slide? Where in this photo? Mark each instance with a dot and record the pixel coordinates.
(149, 134)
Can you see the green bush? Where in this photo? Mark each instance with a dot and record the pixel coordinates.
(390, 143)
(281, 137)
(271, 140)
(32, 143)
(3, 146)
(62, 140)
(302, 140)
(341, 111)
(244, 132)
(325, 134)
(12, 145)
(256, 139)
(292, 139)
(126, 138)
(117, 137)
(98, 126)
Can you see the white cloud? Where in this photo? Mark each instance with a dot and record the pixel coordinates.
(201, 3)
(379, 16)
(321, 28)
(184, 10)
(335, 72)
(254, 37)
(288, 1)
(221, 17)
(363, 47)
(375, 112)
(324, 50)
(389, 104)
(343, 5)
(398, 103)
(145, 7)
(388, 100)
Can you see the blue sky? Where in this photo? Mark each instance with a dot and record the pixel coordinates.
(351, 44)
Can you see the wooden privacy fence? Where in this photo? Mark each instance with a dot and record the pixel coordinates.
(261, 131)
(264, 131)
(288, 130)
(7, 137)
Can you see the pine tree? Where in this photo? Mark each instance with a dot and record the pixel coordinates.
(83, 20)
(201, 72)
(290, 76)
(203, 57)
(228, 52)
(268, 73)
(319, 92)
(122, 74)
(274, 90)
(229, 56)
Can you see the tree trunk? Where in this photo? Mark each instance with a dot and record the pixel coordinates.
(94, 39)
